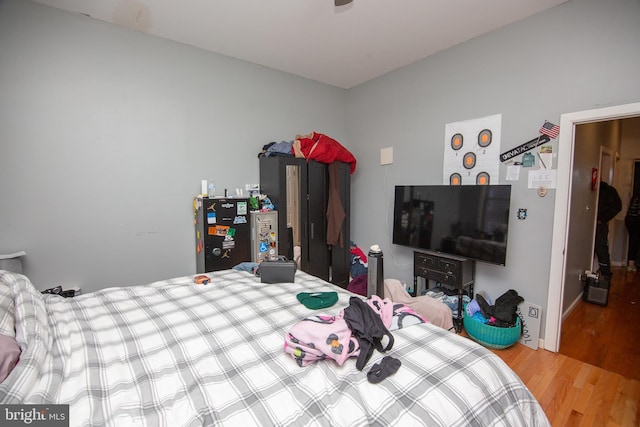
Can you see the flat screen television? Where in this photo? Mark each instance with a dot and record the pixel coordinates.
(469, 221)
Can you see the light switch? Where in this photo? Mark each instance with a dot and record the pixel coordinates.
(386, 156)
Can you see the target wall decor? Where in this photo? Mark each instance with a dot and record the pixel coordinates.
(472, 151)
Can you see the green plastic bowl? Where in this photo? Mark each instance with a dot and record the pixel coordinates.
(492, 336)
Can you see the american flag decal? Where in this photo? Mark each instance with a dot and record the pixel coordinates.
(550, 130)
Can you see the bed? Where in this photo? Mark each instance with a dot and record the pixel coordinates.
(175, 353)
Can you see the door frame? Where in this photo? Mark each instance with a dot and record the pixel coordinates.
(566, 146)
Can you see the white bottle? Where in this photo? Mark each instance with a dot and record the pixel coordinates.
(212, 190)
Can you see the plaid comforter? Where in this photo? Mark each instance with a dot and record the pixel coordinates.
(174, 353)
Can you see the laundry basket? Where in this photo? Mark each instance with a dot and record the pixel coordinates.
(492, 336)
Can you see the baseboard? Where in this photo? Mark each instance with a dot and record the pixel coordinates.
(566, 313)
(564, 316)
(540, 344)
(572, 307)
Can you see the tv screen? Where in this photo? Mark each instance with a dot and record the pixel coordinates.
(470, 221)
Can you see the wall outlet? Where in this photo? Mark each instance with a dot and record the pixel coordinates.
(386, 156)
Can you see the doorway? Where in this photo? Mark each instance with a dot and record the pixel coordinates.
(557, 272)
(606, 173)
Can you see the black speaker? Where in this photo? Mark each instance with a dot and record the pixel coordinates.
(596, 290)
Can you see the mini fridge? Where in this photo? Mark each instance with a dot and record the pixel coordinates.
(264, 235)
(223, 233)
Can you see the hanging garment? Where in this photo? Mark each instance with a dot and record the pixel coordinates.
(335, 212)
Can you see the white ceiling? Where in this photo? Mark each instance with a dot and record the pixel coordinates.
(342, 46)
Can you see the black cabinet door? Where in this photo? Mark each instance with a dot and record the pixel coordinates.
(317, 256)
(341, 255)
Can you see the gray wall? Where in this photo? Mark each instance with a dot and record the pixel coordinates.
(534, 70)
(106, 133)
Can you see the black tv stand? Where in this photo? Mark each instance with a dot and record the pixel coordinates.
(448, 270)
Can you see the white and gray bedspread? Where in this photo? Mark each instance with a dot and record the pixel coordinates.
(174, 353)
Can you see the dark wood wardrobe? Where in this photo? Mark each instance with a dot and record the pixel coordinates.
(300, 192)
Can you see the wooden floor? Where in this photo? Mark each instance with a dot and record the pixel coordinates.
(590, 382)
(607, 337)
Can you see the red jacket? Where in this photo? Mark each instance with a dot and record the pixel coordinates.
(324, 149)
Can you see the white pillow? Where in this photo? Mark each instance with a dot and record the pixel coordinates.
(7, 317)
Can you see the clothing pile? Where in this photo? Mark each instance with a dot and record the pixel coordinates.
(274, 149)
(451, 300)
(314, 145)
(358, 271)
(504, 313)
(323, 149)
(359, 263)
(356, 331)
